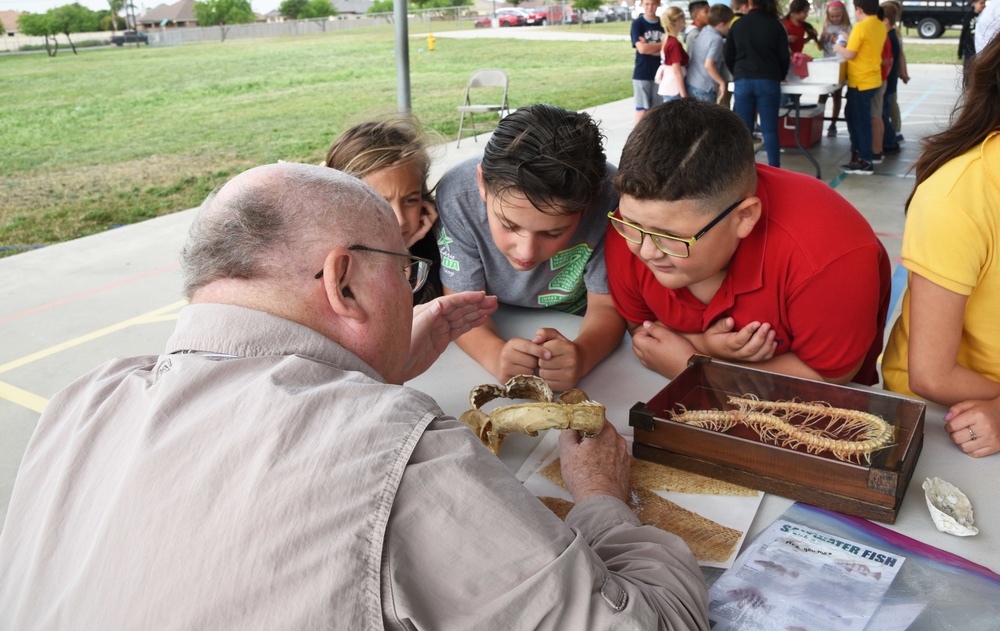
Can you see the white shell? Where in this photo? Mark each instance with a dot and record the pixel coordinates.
(950, 508)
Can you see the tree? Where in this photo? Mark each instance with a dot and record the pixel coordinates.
(116, 7)
(381, 6)
(223, 13)
(73, 18)
(293, 9)
(319, 9)
(40, 25)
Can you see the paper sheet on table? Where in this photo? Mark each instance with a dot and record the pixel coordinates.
(797, 577)
(727, 512)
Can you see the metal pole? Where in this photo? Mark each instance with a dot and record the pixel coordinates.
(402, 56)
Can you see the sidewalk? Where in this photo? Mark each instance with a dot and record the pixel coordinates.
(66, 308)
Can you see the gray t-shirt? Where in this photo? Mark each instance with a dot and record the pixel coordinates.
(470, 261)
(708, 45)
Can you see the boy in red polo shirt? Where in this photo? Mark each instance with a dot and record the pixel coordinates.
(712, 253)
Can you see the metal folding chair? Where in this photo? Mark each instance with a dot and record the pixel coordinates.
(488, 78)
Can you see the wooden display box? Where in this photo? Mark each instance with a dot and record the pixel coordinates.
(872, 491)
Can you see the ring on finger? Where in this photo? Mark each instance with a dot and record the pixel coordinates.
(972, 434)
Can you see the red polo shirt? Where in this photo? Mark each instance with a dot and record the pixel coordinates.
(812, 268)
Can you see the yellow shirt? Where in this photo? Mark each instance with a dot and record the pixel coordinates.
(952, 238)
(867, 38)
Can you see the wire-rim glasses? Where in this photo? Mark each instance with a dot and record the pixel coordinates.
(416, 268)
(678, 247)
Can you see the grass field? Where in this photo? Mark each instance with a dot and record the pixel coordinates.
(114, 136)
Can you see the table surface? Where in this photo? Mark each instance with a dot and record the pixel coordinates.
(620, 381)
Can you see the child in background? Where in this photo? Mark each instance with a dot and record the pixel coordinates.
(698, 10)
(967, 38)
(674, 59)
(647, 40)
(705, 79)
(526, 222)
(863, 53)
(834, 24)
(757, 55)
(799, 31)
(878, 126)
(391, 157)
(890, 144)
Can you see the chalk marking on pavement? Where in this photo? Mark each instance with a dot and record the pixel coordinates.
(91, 292)
(157, 315)
(23, 398)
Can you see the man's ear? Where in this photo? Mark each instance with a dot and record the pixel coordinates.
(747, 216)
(342, 283)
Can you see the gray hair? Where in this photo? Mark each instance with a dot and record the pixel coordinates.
(265, 222)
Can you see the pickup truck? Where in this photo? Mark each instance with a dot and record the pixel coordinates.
(932, 17)
(130, 37)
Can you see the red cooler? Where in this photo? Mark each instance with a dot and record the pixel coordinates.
(810, 127)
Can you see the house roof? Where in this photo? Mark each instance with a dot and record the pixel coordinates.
(9, 19)
(352, 6)
(182, 11)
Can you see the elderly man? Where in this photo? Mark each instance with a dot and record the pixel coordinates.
(268, 472)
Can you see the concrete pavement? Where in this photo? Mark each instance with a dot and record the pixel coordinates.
(66, 308)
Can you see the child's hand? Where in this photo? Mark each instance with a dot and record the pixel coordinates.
(519, 357)
(983, 418)
(753, 343)
(660, 349)
(562, 369)
(428, 215)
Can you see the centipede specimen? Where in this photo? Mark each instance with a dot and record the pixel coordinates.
(849, 435)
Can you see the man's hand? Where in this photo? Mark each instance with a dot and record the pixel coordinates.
(563, 367)
(983, 418)
(660, 349)
(753, 343)
(595, 466)
(438, 322)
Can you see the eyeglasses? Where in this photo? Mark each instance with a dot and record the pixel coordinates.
(416, 268)
(668, 244)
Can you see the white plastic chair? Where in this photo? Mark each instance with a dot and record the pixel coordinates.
(488, 78)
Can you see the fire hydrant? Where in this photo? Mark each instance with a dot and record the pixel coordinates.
(430, 41)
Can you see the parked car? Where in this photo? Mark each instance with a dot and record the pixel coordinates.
(552, 14)
(130, 37)
(932, 17)
(623, 13)
(609, 14)
(504, 17)
(592, 16)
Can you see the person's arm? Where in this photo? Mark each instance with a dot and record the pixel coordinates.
(716, 76)
(648, 48)
(468, 547)
(983, 419)
(438, 322)
(679, 77)
(904, 75)
(936, 317)
(600, 334)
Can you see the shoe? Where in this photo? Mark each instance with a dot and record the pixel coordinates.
(899, 138)
(877, 158)
(891, 151)
(831, 132)
(858, 167)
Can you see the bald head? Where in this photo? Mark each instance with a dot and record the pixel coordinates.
(276, 222)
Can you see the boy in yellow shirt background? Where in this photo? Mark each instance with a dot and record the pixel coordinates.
(863, 52)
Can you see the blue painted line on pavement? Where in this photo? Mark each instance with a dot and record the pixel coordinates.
(923, 97)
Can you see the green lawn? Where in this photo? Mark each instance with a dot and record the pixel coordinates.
(113, 136)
